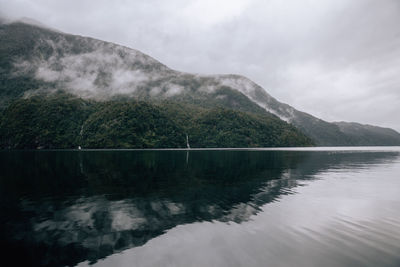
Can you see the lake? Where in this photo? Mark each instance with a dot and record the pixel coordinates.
(244, 207)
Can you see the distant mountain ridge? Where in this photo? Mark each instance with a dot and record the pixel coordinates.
(37, 60)
(364, 134)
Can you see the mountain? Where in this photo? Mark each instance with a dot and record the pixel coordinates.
(364, 134)
(37, 61)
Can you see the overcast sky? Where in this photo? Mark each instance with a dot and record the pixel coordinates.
(336, 59)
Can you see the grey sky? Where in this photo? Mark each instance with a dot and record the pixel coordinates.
(335, 59)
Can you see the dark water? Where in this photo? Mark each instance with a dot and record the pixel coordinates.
(324, 207)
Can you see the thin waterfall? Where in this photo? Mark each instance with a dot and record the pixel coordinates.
(187, 142)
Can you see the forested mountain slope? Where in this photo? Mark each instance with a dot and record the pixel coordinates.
(41, 62)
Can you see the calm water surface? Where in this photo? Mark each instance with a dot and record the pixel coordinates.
(295, 207)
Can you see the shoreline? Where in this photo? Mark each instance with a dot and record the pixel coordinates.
(310, 149)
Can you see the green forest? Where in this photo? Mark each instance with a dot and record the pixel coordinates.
(64, 121)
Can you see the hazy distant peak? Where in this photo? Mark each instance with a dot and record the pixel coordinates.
(3, 20)
(29, 21)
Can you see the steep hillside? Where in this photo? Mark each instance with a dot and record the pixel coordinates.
(37, 60)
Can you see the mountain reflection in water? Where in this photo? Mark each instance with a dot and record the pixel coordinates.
(60, 208)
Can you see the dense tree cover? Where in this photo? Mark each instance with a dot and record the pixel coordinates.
(130, 125)
(53, 122)
(228, 128)
(64, 121)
